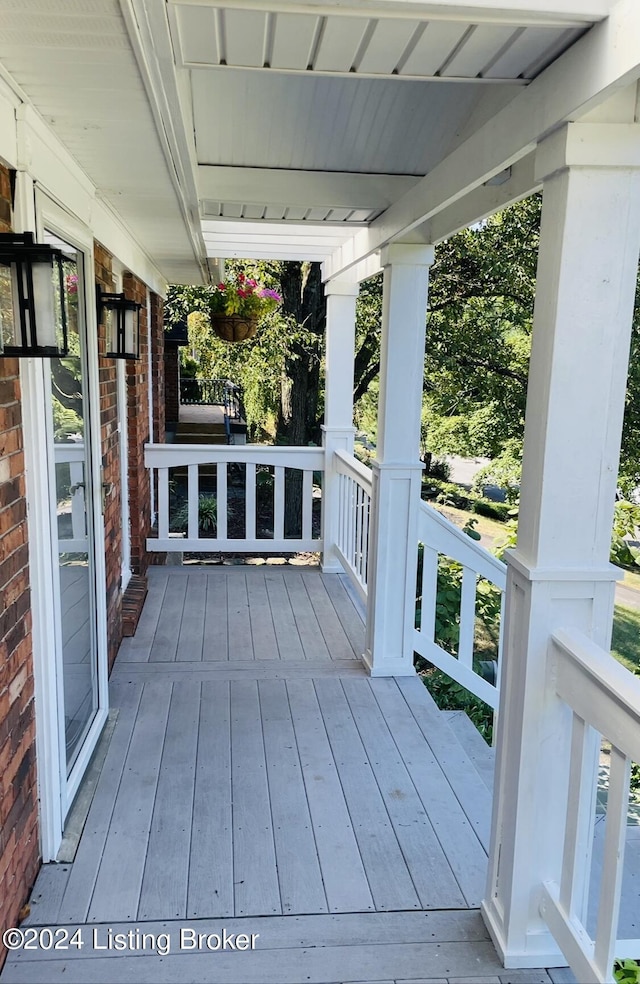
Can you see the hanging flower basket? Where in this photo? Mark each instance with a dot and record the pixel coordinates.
(233, 327)
(238, 305)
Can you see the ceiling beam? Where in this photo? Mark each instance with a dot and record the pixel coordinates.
(482, 202)
(571, 13)
(607, 58)
(301, 189)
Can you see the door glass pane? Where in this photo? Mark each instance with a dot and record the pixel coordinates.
(69, 407)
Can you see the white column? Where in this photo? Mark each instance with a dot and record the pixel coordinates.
(338, 429)
(397, 470)
(559, 575)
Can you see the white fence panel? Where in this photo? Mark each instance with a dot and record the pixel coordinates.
(354, 513)
(211, 463)
(605, 699)
(440, 538)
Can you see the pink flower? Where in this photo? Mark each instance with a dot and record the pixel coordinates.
(272, 294)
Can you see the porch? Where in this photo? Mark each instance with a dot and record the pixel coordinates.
(259, 780)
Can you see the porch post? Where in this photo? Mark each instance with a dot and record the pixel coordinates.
(338, 429)
(397, 469)
(559, 574)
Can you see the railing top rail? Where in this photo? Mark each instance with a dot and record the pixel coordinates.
(489, 566)
(176, 455)
(348, 465)
(584, 671)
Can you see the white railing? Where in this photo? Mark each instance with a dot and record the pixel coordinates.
(440, 538)
(73, 456)
(207, 467)
(605, 699)
(354, 513)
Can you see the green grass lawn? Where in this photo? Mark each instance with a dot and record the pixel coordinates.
(625, 644)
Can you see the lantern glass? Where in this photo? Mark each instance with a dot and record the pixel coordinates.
(33, 307)
(121, 318)
(7, 306)
(131, 331)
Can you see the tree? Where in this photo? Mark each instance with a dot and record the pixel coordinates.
(482, 289)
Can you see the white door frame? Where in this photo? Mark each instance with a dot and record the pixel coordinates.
(56, 790)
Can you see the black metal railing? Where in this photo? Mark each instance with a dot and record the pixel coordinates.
(203, 392)
(217, 392)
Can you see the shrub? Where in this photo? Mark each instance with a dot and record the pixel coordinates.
(439, 469)
(207, 515)
(494, 510)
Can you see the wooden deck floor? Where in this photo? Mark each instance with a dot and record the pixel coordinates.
(258, 780)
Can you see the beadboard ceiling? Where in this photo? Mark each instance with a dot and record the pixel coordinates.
(178, 110)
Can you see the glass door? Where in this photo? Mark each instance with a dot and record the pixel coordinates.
(66, 382)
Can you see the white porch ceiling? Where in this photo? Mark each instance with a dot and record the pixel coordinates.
(275, 241)
(346, 41)
(75, 62)
(311, 116)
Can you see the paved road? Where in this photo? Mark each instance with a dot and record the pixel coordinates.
(627, 596)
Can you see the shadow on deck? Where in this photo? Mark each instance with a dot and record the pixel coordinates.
(258, 780)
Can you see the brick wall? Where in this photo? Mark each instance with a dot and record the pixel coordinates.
(157, 367)
(19, 849)
(171, 384)
(138, 429)
(110, 450)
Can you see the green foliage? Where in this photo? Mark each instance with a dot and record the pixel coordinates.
(451, 696)
(627, 971)
(280, 368)
(504, 471)
(243, 296)
(439, 469)
(494, 510)
(450, 494)
(207, 515)
(626, 522)
(66, 421)
(481, 294)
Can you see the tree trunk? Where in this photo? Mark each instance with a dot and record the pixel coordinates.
(299, 424)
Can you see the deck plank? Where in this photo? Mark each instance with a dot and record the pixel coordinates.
(240, 670)
(287, 635)
(262, 627)
(389, 879)
(432, 876)
(84, 871)
(333, 633)
(137, 648)
(464, 852)
(314, 965)
(254, 860)
(216, 631)
(470, 790)
(301, 887)
(191, 638)
(287, 932)
(165, 642)
(47, 895)
(343, 872)
(211, 861)
(117, 888)
(309, 631)
(238, 620)
(164, 883)
(348, 614)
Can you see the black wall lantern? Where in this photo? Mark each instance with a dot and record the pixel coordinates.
(122, 321)
(33, 308)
